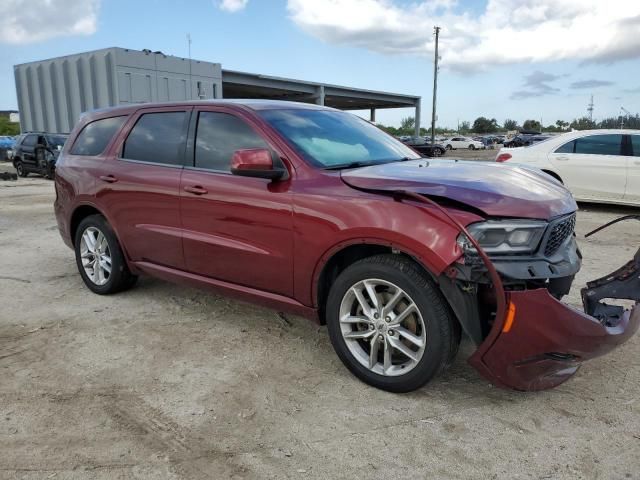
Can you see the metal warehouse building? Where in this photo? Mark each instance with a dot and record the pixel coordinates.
(53, 93)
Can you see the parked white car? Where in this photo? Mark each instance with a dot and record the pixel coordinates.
(462, 142)
(595, 165)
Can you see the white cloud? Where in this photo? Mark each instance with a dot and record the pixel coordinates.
(29, 21)
(505, 32)
(232, 6)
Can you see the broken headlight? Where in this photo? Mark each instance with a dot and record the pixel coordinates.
(504, 236)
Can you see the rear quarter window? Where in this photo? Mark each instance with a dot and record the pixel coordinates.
(95, 136)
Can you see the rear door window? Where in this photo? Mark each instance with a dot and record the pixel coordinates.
(95, 136)
(29, 141)
(218, 136)
(599, 145)
(157, 138)
(566, 148)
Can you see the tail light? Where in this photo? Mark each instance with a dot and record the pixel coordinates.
(503, 157)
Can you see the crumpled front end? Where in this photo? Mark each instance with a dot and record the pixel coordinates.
(542, 342)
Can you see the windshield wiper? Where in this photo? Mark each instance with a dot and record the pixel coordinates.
(350, 165)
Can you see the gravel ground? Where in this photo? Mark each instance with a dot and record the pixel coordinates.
(168, 382)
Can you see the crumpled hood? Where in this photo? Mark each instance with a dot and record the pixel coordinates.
(496, 189)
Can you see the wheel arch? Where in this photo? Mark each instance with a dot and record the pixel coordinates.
(345, 254)
(80, 213)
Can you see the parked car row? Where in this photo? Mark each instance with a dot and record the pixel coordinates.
(595, 165)
(424, 146)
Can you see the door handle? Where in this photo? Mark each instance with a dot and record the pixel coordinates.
(562, 159)
(108, 178)
(196, 190)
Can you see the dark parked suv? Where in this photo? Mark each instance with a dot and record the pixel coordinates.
(317, 212)
(37, 152)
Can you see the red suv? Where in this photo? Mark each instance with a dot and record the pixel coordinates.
(318, 212)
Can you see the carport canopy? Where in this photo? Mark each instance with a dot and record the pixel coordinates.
(250, 85)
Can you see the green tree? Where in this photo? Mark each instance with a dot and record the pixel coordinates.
(8, 128)
(465, 127)
(533, 125)
(561, 124)
(407, 126)
(484, 125)
(582, 123)
(510, 124)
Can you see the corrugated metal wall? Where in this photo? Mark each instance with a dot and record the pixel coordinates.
(52, 94)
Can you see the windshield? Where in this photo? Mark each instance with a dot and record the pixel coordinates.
(330, 138)
(56, 140)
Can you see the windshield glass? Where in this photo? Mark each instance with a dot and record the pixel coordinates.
(56, 140)
(331, 138)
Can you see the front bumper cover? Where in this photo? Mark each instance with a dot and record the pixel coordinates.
(547, 342)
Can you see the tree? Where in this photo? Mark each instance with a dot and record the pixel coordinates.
(484, 125)
(533, 125)
(510, 124)
(582, 123)
(562, 125)
(407, 126)
(465, 127)
(8, 128)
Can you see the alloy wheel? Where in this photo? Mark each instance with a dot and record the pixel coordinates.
(95, 255)
(382, 327)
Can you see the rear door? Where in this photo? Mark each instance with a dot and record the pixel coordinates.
(236, 229)
(28, 149)
(139, 186)
(632, 192)
(593, 166)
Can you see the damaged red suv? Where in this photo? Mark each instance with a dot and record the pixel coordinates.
(317, 212)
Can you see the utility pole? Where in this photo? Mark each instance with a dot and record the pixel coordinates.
(436, 31)
(190, 80)
(627, 113)
(590, 109)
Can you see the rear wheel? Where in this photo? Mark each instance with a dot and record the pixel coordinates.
(449, 147)
(389, 324)
(472, 147)
(99, 257)
(20, 170)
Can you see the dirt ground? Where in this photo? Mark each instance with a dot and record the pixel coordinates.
(168, 382)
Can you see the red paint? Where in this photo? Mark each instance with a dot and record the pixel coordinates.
(268, 241)
(503, 157)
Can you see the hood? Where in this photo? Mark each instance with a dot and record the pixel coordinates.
(496, 189)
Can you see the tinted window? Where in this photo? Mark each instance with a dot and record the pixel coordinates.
(157, 138)
(635, 144)
(599, 145)
(218, 136)
(29, 140)
(95, 136)
(566, 148)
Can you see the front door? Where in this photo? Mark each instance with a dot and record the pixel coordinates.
(236, 229)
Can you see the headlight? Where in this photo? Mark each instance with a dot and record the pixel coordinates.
(508, 236)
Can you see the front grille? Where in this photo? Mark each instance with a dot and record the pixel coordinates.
(560, 231)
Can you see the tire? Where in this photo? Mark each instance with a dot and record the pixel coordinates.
(50, 172)
(449, 147)
(431, 323)
(119, 278)
(472, 147)
(20, 170)
(436, 152)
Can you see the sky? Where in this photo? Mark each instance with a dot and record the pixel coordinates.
(500, 59)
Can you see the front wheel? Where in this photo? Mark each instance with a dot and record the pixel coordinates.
(99, 258)
(472, 147)
(20, 170)
(449, 147)
(389, 324)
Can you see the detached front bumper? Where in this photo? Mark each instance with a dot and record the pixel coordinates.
(547, 342)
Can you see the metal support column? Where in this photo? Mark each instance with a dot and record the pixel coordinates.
(417, 122)
(320, 95)
(372, 115)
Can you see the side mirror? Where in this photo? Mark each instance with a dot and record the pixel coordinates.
(256, 162)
